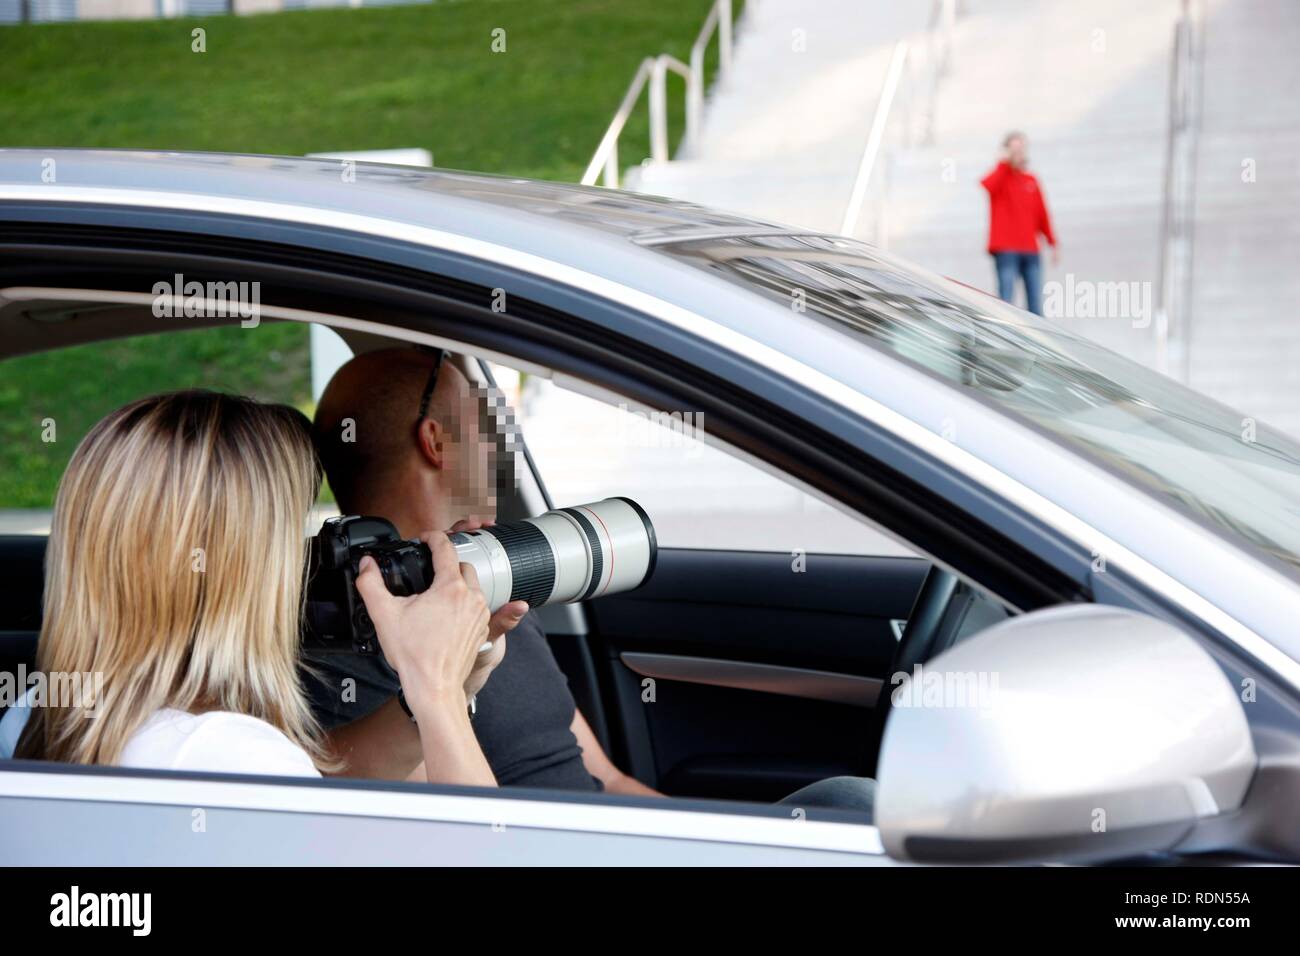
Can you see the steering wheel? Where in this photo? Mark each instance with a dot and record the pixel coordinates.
(922, 638)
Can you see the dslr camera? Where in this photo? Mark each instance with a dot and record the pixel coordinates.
(562, 556)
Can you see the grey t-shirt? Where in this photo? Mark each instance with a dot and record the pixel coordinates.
(524, 711)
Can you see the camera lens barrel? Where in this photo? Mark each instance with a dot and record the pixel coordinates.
(562, 556)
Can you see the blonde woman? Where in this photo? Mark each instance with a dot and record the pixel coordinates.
(175, 570)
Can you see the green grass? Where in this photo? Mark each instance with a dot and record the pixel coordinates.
(294, 83)
(321, 80)
(75, 387)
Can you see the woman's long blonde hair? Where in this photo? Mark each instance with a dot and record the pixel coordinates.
(175, 570)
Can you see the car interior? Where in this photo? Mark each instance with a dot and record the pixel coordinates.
(762, 681)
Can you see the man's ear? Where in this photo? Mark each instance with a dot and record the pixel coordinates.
(429, 437)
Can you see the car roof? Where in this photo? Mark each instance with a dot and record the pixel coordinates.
(434, 197)
(644, 243)
(625, 239)
(616, 235)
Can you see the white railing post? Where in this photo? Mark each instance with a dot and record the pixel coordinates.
(659, 102)
(694, 107)
(724, 37)
(949, 30)
(611, 166)
(695, 95)
(909, 89)
(695, 81)
(659, 111)
(1177, 227)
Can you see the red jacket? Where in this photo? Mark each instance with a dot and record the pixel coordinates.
(1017, 212)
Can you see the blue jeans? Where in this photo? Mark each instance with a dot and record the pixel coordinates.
(1026, 264)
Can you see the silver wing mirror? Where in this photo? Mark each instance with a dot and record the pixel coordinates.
(1074, 733)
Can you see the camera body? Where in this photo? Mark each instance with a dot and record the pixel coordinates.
(335, 616)
(562, 556)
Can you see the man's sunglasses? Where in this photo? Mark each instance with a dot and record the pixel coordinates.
(427, 396)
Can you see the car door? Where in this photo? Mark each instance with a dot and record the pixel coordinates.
(147, 818)
(78, 816)
(750, 663)
(925, 497)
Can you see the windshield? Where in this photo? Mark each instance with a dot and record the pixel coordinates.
(1221, 465)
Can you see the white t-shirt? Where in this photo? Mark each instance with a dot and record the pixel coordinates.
(219, 742)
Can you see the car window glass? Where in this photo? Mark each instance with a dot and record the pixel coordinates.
(1233, 473)
(49, 400)
(698, 495)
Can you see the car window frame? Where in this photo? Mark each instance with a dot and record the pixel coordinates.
(409, 334)
(1053, 542)
(689, 820)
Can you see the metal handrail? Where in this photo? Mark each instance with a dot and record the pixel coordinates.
(938, 46)
(1173, 271)
(659, 103)
(654, 70)
(878, 121)
(719, 18)
(607, 152)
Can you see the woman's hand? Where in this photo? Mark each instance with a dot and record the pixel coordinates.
(502, 623)
(431, 639)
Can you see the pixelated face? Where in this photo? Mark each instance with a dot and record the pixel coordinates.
(481, 460)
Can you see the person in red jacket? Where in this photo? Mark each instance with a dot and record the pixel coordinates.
(1017, 214)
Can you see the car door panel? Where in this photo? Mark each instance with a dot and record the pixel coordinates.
(745, 675)
(151, 818)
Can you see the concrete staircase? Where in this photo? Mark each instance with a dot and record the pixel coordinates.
(783, 132)
(1245, 331)
(1089, 84)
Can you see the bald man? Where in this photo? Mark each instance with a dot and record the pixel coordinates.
(405, 436)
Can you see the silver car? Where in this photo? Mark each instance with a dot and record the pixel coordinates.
(1084, 647)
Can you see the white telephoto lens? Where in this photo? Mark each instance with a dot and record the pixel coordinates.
(567, 555)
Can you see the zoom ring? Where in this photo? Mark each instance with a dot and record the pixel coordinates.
(532, 562)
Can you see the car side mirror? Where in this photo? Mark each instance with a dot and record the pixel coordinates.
(1074, 733)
